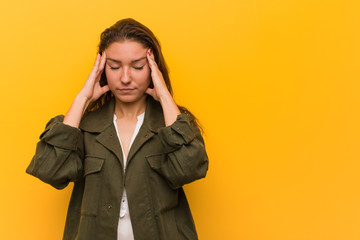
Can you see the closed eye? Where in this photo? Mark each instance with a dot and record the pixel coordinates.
(139, 68)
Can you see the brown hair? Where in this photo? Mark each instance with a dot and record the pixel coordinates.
(130, 29)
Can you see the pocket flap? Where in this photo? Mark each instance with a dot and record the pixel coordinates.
(156, 161)
(92, 165)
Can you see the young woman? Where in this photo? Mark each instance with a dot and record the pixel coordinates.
(126, 145)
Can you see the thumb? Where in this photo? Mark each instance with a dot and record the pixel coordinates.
(105, 88)
(150, 91)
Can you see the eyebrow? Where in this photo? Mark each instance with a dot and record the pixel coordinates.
(118, 61)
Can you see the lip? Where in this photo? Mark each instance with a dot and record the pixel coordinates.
(126, 90)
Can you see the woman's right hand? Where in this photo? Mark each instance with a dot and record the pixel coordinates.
(92, 89)
(89, 93)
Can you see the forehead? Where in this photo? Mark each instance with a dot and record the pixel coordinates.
(126, 51)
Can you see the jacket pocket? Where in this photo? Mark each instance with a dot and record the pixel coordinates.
(155, 161)
(92, 165)
(165, 197)
(93, 181)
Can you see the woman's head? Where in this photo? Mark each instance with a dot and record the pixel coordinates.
(130, 30)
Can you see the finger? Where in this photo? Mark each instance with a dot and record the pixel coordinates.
(101, 90)
(105, 88)
(102, 62)
(100, 67)
(97, 61)
(93, 72)
(155, 71)
(98, 91)
(150, 57)
(150, 91)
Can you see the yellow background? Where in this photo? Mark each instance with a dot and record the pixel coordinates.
(275, 84)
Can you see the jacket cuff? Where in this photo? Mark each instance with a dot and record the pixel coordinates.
(61, 135)
(177, 134)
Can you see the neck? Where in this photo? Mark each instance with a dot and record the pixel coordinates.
(130, 110)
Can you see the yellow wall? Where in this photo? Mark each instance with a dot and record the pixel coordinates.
(274, 82)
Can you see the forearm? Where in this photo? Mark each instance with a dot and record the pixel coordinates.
(170, 109)
(76, 111)
(59, 154)
(184, 158)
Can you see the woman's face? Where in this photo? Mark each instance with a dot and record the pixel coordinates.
(127, 70)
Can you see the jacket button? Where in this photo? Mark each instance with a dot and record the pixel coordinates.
(146, 135)
(109, 206)
(111, 134)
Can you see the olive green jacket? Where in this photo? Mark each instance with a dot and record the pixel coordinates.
(161, 160)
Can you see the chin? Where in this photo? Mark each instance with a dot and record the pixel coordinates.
(130, 98)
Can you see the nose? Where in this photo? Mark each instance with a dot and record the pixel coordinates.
(125, 75)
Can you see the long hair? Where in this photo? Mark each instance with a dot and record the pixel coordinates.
(132, 30)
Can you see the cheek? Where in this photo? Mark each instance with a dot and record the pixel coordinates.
(144, 78)
(110, 76)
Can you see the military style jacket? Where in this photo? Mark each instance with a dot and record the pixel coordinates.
(161, 160)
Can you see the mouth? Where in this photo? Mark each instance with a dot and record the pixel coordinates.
(125, 90)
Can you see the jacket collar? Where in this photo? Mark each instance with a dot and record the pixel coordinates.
(102, 118)
(101, 121)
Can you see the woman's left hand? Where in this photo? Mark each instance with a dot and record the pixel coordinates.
(160, 90)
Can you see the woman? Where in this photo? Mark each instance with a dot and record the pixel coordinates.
(126, 145)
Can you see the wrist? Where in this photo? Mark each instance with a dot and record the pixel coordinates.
(170, 109)
(81, 103)
(82, 100)
(166, 98)
(77, 108)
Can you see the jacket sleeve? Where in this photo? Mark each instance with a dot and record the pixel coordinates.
(59, 154)
(185, 159)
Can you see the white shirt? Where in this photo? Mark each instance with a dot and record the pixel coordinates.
(125, 231)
